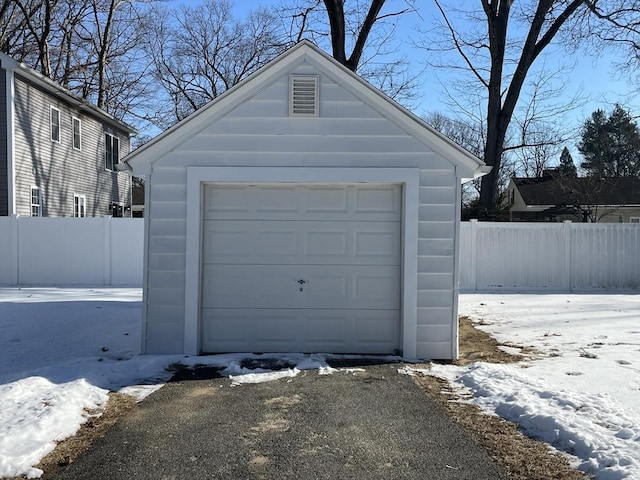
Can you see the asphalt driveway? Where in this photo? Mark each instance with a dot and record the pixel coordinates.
(376, 424)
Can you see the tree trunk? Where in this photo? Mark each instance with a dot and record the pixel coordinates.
(103, 52)
(335, 12)
(499, 110)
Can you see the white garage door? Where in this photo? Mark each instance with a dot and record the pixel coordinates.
(291, 268)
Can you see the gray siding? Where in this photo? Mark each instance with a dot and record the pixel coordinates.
(4, 174)
(57, 168)
(259, 132)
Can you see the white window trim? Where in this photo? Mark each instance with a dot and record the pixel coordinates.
(77, 197)
(634, 219)
(73, 133)
(408, 178)
(39, 204)
(113, 137)
(51, 110)
(316, 94)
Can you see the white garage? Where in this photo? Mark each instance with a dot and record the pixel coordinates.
(328, 229)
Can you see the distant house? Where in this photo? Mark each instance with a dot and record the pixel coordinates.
(58, 153)
(554, 197)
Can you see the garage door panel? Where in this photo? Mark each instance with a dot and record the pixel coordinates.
(325, 243)
(377, 289)
(288, 202)
(326, 199)
(235, 330)
(228, 201)
(236, 242)
(378, 201)
(277, 286)
(283, 242)
(274, 200)
(301, 330)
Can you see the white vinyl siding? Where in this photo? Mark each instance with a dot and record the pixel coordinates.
(111, 151)
(54, 121)
(36, 202)
(79, 206)
(76, 126)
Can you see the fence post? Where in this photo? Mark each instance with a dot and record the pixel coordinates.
(474, 253)
(567, 255)
(15, 262)
(106, 278)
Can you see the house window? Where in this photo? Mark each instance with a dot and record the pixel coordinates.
(77, 133)
(36, 202)
(303, 96)
(111, 151)
(79, 206)
(55, 124)
(634, 219)
(512, 197)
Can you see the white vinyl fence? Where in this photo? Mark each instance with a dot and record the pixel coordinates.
(555, 256)
(71, 251)
(493, 256)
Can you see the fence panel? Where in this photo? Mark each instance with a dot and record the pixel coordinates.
(8, 249)
(71, 251)
(126, 251)
(605, 256)
(554, 256)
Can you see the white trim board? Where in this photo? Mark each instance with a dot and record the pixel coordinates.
(408, 178)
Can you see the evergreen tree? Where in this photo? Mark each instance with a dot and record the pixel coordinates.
(611, 145)
(566, 166)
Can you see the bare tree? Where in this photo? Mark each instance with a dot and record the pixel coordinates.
(499, 57)
(13, 29)
(91, 47)
(38, 18)
(200, 51)
(362, 36)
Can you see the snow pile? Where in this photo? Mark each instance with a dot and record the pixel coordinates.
(263, 376)
(592, 427)
(581, 392)
(36, 414)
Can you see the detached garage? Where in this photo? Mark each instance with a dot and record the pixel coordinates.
(302, 211)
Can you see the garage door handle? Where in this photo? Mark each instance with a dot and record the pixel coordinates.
(302, 282)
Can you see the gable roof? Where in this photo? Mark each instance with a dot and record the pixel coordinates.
(561, 190)
(51, 87)
(141, 159)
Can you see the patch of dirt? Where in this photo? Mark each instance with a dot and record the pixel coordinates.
(518, 456)
(478, 346)
(68, 450)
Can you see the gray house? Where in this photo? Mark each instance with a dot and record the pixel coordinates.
(302, 211)
(58, 153)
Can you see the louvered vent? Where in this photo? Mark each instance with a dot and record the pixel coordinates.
(303, 92)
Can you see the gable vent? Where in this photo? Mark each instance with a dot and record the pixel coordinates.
(303, 96)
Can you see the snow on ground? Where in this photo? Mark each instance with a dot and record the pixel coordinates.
(62, 350)
(581, 394)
